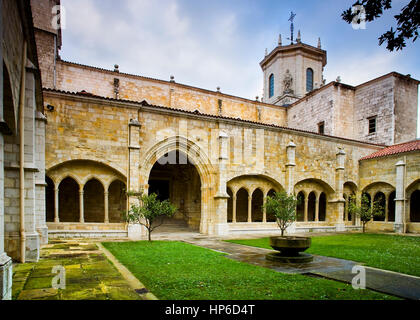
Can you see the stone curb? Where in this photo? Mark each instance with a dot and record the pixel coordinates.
(131, 279)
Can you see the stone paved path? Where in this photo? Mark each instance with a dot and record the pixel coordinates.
(89, 275)
(396, 284)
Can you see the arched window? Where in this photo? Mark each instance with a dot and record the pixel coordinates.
(309, 80)
(271, 80)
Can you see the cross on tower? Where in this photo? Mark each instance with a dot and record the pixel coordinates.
(292, 27)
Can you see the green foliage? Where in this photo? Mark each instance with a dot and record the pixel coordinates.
(283, 207)
(149, 212)
(365, 211)
(408, 21)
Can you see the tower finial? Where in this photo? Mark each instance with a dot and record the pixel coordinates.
(319, 43)
(292, 26)
(266, 52)
(280, 42)
(299, 38)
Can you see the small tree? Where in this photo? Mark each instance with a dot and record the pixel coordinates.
(283, 207)
(365, 211)
(150, 212)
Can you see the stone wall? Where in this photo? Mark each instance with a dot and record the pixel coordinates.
(86, 128)
(75, 78)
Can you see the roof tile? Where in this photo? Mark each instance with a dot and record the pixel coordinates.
(396, 149)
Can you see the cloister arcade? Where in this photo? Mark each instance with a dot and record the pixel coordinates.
(384, 194)
(85, 192)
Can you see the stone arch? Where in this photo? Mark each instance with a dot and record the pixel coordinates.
(415, 206)
(413, 196)
(230, 205)
(242, 198)
(349, 192)
(117, 204)
(196, 156)
(312, 206)
(271, 217)
(94, 202)
(324, 186)
(300, 210)
(257, 204)
(380, 199)
(68, 202)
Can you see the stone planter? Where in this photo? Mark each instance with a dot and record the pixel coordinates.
(291, 249)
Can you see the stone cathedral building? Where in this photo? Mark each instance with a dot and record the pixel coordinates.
(75, 138)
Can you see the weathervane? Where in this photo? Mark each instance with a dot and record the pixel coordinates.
(292, 27)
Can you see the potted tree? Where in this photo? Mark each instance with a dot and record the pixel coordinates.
(290, 249)
(365, 211)
(149, 212)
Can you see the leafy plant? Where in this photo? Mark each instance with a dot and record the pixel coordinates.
(150, 212)
(365, 211)
(283, 207)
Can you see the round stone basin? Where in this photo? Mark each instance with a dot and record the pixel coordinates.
(290, 246)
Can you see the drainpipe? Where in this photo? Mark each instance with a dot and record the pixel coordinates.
(405, 196)
(22, 154)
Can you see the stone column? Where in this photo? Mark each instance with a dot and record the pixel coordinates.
(106, 200)
(400, 197)
(386, 208)
(341, 158)
(317, 208)
(234, 199)
(249, 208)
(82, 204)
(290, 167)
(306, 208)
(264, 209)
(56, 205)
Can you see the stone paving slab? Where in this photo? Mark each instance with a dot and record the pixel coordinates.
(89, 275)
(396, 284)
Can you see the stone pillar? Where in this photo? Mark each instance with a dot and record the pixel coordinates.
(341, 158)
(290, 167)
(305, 217)
(249, 208)
(265, 209)
(220, 225)
(32, 243)
(82, 204)
(400, 198)
(5, 261)
(234, 199)
(56, 205)
(106, 200)
(133, 184)
(40, 184)
(386, 208)
(317, 208)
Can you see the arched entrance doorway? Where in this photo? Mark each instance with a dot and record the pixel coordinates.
(174, 177)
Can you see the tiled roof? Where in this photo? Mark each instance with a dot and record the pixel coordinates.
(144, 103)
(396, 149)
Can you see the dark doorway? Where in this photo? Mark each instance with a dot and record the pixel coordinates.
(160, 188)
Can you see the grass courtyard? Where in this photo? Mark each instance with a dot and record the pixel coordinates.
(180, 271)
(388, 252)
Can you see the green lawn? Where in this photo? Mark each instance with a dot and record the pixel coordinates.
(389, 252)
(180, 271)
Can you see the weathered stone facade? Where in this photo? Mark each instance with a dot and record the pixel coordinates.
(22, 160)
(69, 156)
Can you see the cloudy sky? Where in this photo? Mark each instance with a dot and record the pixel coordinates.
(221, 42)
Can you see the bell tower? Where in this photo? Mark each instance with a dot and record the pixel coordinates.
(292, 70)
